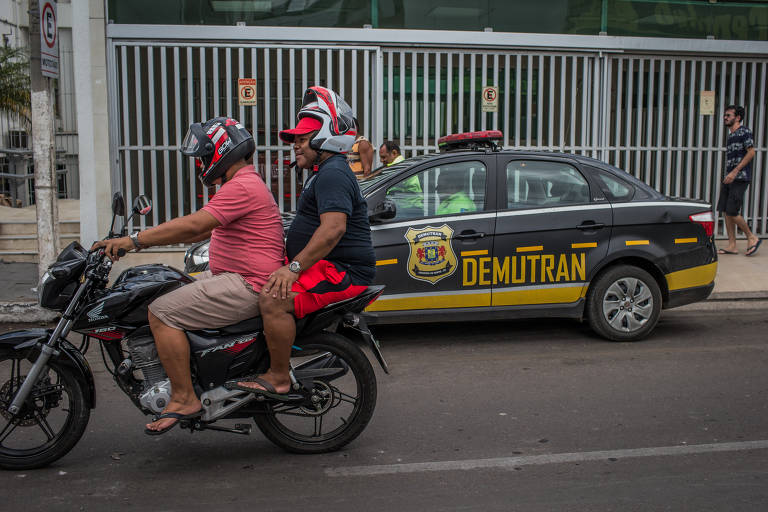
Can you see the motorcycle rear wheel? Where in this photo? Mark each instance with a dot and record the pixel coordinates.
(346, 398)
(50, 423)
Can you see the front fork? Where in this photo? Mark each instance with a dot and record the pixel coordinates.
(47, 350)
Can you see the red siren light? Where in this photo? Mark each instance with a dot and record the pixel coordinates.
(485, 138)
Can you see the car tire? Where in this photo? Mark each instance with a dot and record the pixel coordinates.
(624, 303)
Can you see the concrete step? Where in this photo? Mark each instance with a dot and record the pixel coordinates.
(27, 243)
(30, 227)
(18, 256)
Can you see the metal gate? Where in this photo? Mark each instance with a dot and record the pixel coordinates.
(161, 88)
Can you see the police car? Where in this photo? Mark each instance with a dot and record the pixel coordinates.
(477, 232)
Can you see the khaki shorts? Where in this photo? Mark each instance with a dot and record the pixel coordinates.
(208, 303)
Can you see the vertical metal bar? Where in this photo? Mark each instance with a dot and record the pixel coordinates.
(460, 75)
(438, 101)
(711, 176)
(254, 108)
(425, 106)
(179, 132)
(153, 121)
(584, 107)
(483, 83)
(449, 93)
(390, 97)
(761, 156)
(317, 67)
(378, 95)
(639, 117)
(191, 117)
(606, 82)
(342, 75)
(720, 139)
(355, 82)
(216, 93)
(733, 83)
(366, 91)
(240, 74)
(402, 101)
(139, 125)
(649, 121)
(755, 174)
(472, 71)
(203, 98)
(495, 116)
(691, 111)
(166, 133)
(574, 61)
(550, 104)
(127, 174)
(617, 121)
(228, 81)
(529, 102)
(659, 125)
(279, 126)
(680, 121)
(291, 110)
(329, 68)
(563, 96)
(597, 106)
(699, 179)
(414, 108)
(506, 99)
(670, 117)
(540, 102)
(742, 83)
(628, 116)
(267, 122)
(304, 77)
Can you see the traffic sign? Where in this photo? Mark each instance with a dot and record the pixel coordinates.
(490, 99)
(49, 39)
(246, 91)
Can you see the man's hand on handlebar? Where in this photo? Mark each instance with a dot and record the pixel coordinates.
(115, 247)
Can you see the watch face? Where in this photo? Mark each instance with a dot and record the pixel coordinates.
(295, 266)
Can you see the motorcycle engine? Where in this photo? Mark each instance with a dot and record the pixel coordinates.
(157, 387)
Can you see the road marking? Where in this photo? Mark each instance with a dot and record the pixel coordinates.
(533, 460)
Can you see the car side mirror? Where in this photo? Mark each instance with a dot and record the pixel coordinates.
(118, 204)
(142, 205)
(383, 211)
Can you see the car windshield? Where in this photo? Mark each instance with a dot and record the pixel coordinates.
(382, 174)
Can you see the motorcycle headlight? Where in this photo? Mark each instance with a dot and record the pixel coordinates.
(200, 255)
(47, 277)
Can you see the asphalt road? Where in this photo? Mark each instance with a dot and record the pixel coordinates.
(534, 415)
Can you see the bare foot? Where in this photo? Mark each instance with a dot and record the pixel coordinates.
(177, 407)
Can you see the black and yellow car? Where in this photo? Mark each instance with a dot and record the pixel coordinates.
(476, 232)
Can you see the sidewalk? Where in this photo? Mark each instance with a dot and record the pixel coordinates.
(738, 278)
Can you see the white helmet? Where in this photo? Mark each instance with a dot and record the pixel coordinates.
(324, 111)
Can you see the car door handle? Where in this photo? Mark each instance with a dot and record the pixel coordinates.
(469, 235)
(590, 225)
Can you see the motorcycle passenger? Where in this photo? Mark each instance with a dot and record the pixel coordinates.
(329, 242)
(246, 232)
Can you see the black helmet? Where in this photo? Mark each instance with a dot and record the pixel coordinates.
(217, 145)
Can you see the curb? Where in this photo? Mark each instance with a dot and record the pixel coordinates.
(25, 312)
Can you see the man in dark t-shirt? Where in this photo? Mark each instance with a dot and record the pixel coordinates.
(739, 152)
(329, 243)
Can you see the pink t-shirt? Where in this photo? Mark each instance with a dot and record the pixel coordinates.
(249, 241)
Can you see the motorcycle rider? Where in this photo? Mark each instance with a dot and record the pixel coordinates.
(329, 242)
(244, 225)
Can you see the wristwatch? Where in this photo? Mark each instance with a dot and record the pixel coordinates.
(135, 239)
(295, 267)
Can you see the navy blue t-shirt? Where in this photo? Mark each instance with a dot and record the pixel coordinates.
(737, 145)
(334, 188)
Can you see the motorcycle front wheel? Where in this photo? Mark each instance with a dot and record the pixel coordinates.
(50, 423)
(343, 397)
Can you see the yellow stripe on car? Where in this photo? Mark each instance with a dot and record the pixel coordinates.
(637, 242)
(474, 253)
(447, 300)
(532, 248)
(584, 245)
(692, 277)
(543, 295)
(386, 262)
(686, 240)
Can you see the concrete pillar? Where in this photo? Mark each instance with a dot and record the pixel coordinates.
(89, 49)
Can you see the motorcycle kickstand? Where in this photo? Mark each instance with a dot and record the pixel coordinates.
(239, 428)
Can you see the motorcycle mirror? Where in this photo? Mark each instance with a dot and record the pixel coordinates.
(142, 205)
(118, 204)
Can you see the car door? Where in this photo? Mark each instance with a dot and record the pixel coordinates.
(552, 228)
(442, 216)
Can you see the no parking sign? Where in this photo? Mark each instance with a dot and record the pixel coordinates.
(246, 91)
(49, 40)
(490, 102)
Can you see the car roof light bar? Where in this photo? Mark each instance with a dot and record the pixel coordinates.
(471, 140)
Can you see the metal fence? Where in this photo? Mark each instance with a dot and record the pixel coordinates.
(636, 111)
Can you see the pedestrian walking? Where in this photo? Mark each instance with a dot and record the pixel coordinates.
(739, 152)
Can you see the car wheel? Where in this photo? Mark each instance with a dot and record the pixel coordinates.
(624, 303)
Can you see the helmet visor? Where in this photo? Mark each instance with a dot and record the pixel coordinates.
(194, 143)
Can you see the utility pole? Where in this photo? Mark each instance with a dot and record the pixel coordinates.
(43, 144)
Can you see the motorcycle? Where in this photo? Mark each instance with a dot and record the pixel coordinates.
(47, 388)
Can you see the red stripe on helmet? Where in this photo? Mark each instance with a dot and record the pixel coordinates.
(322, 93)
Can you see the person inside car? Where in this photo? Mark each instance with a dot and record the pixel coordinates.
(246, 232)
(453, 196)
(329, 242)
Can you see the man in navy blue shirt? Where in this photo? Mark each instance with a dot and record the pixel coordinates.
(329, 242)
(739, 152)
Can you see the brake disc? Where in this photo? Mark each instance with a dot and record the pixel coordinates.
(39, 403)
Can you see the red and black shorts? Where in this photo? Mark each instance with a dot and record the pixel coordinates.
(322, 284)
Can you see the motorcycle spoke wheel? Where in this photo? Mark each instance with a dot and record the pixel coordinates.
(50, 422)
(339, 406)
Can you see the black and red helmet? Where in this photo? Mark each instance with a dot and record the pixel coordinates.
(217, 145)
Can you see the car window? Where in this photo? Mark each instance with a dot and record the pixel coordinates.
(448, 189)
(615, 188)
(533, 183)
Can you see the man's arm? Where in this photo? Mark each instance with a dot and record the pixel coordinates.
(332, 227)
(190, 228)
(366, 157)
(731, 176)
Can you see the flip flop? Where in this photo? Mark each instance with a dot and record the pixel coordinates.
(173, 415)
(269, 390)
(726, 251)
(753, 249)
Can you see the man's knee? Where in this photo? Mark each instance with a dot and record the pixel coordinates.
(269, 306)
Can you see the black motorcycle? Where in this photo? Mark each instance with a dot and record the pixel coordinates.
(47, 388)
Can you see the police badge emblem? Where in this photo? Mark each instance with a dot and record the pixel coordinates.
(431, 258)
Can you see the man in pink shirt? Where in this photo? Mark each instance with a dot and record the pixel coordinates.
(246, 232)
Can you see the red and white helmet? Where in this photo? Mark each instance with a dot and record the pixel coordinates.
(324, 111)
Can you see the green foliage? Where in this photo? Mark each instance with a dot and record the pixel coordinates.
(14, 81)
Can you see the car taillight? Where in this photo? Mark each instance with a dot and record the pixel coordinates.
(706, 220)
